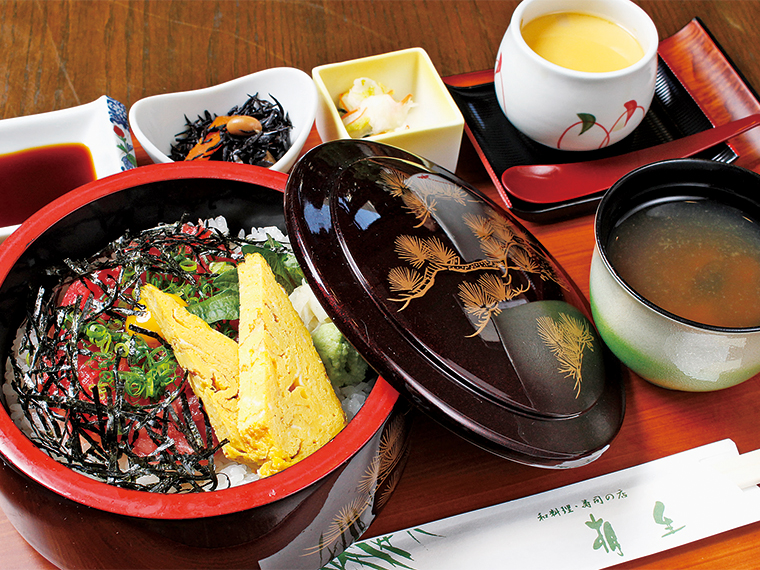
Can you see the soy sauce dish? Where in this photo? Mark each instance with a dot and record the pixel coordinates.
(77, 145)
(675, 273)
(459, 309)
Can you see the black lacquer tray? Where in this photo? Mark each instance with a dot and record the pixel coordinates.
(672, 115)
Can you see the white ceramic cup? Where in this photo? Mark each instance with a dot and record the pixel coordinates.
(575, 110)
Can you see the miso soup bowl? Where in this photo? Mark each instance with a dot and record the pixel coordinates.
(661, 347)
(574, 110)
(299, 518)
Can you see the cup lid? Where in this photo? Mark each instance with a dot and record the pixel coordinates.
(454, 303)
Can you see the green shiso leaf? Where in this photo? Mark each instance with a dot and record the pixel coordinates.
(224, 306)
(283, 263)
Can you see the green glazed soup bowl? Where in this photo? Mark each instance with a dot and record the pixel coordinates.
(661, 347)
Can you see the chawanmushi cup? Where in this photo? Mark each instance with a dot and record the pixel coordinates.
(575, 110)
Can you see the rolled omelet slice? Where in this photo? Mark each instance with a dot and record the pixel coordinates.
(287, 407)
(211, 360)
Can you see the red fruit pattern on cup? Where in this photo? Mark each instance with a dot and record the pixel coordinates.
(589, 125)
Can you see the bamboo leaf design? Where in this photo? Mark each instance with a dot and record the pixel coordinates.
(379, 553)
(385, 556)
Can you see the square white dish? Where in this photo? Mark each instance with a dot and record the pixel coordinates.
(435, 122)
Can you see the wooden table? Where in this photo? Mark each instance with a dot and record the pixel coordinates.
(56, 54)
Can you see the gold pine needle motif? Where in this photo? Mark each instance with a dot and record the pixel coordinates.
(567, 338)
(478, 304)
(481, 300)
(422, 208)
(403, 279)
(504, 249)
(479, 225)
(524, 261)
(412, 249)
(420, 194)
(439, 254)
(394, 182)
(347, 517)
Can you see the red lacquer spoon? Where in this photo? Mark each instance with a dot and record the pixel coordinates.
(548, 183)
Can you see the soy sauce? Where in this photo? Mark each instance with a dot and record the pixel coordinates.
(30, 179)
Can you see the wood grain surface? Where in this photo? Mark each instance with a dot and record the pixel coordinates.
(55, 54)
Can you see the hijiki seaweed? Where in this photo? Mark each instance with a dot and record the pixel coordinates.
(208, 138)
(95, 396)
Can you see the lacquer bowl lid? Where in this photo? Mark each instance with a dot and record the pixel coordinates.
(454, 303)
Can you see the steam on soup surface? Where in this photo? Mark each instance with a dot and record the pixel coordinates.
(697, 259)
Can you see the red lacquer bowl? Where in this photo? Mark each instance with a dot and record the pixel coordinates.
(299, 518)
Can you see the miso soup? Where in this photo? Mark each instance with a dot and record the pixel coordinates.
(697, 259)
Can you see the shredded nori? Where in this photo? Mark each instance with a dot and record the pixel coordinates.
(260, 149)
(94, 431)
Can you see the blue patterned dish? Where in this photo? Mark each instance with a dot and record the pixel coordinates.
(100, 125)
